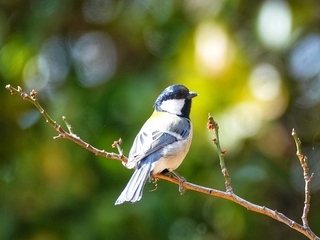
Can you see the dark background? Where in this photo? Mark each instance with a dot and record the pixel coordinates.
(102, 63)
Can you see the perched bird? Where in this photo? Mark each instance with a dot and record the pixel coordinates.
(163, 141)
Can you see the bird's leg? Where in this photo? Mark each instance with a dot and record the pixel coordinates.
(181, 181)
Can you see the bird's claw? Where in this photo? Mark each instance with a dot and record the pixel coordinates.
(182, 180)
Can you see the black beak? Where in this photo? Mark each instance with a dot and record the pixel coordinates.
(192, 95)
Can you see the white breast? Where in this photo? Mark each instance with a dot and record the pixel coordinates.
(173, 155)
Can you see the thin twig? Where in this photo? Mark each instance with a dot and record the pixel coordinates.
(117, 144)
(307, 179)
(212, 125)
(63, 133)
(68, 125)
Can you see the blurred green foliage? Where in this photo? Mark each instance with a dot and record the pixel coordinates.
(102, 63)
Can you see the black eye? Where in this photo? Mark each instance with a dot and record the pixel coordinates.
(181, 94)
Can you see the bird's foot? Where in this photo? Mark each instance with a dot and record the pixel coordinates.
(182, 180)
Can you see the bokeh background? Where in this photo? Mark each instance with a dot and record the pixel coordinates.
(102, 63)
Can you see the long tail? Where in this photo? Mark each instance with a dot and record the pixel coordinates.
(134, 189)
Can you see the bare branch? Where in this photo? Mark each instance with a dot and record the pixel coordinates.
(212, 126)
(307, 179)
(244, 203)
(63, 133)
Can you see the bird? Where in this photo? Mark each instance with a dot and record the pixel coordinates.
(163, 141)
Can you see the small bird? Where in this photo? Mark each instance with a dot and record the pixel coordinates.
(163, 141)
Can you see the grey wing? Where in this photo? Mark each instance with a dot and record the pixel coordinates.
(148, 142)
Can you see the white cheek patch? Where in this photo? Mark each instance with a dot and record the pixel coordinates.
(173, 106)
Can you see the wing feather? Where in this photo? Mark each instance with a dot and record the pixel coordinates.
(155, 135)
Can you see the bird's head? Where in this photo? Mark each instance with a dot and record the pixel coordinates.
(175, 99)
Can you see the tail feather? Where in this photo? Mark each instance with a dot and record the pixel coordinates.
(134, 189)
